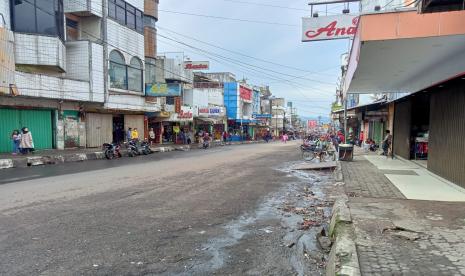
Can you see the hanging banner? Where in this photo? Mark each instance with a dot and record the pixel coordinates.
(163, 90)
(329, 27)
(177, 104)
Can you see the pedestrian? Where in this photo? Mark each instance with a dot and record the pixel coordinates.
(387, 143)
(135, 134)
(225, 137)
(129, 134)
(15, 140)
(151, 136)
(285, 137)
(26, 144)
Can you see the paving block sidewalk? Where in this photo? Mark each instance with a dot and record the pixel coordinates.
(390, 235)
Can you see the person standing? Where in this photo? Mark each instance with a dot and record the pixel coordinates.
(129, 134)
(151, 136)
(387, 143)
(26, 144)
(225, 137)
(135, 134)
(15, 141)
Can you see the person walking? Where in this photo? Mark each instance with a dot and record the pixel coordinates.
(387, 143)
(285, 138)
(225, 137)
(26, 144)
(15, 141)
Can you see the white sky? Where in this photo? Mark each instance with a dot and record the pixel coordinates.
(319, 61)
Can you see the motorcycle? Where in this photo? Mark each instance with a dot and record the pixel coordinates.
(135, 149)
(206, 144)
(145, 147)
(112, 150)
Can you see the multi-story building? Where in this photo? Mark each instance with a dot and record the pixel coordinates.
(75, 71)
(418, 60)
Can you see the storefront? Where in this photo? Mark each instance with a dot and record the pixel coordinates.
(40, 124)
(177, 126)
(211, 120)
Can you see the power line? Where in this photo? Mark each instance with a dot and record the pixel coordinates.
(266, 5)
(239, 53)
(230, 18)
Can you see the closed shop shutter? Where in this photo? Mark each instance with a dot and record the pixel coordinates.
(135, 121)
(39, 123)
(99, 128)
(447, 129)
(402, 121)
(71, 124)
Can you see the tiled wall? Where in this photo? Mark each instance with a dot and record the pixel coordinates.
(97, 65)
(129, 42)
(42, 86)
(130, 102)
(93, 6)
(77, 60)
(5, 11)
(39, 50)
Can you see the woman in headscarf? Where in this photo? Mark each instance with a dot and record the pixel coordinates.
(26, 144)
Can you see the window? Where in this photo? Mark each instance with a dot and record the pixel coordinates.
(135, 75)
(139, 21)
(150, 21)
(150, 71)
(118, 72)
(126, 15)
(38, 17)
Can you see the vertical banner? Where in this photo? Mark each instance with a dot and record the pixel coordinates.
(177, 104)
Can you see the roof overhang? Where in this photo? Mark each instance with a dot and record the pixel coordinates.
(405, 52)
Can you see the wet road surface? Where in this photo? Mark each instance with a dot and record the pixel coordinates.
(220, 211)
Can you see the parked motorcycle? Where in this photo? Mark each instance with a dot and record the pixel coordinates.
(135, 148)
(112, 150)
(206, 144)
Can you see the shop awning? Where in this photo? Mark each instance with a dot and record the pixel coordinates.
(405, 52)
(210, 120)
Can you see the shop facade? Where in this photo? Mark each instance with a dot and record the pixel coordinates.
(212, 120)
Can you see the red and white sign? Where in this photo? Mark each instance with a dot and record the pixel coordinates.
(245, 93)
(196, 65)
(312, 124)
(329, 27)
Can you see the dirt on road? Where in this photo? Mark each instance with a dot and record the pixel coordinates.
(237, 211)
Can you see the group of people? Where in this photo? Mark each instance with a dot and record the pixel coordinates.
(22, 141)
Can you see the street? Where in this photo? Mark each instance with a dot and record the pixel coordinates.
(199, 212)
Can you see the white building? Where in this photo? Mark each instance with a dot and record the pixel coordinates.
(76, 76)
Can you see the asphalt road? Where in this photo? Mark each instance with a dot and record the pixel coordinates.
(179, 213)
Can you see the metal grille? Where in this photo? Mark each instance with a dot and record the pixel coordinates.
(401, 135)
(447, 132)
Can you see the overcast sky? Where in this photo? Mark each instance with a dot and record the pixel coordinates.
(280, 43)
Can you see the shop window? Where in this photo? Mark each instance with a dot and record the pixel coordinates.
(135, 75)
(150, 70)
(118, 71)
(38, 17)
(126, 15)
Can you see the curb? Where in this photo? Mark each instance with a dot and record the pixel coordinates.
(39, 160)
(343, 258)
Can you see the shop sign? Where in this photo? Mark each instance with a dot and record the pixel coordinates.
(177, 104)
(211, 111)
(245, 93)
(261, 116)
(196, 65)
(312, 123)
(163, 90)
(176, 129)
(329, 27)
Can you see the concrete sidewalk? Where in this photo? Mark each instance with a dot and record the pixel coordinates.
(397, 219)
(50, 157)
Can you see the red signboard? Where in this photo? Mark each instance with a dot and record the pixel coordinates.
(177, 104)
(245, 93)
(312, 123)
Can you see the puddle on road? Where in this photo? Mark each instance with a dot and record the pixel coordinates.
(302, 209)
